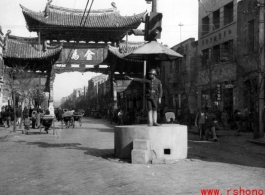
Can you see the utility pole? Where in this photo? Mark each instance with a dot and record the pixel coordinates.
(154, 6)
(154, 9)
(261, 70)
(180, 25)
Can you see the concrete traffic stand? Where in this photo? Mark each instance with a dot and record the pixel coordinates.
(143, 144)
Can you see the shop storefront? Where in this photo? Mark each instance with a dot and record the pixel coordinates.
(222, 97)
(132, 97)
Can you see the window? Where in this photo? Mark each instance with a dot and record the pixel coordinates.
(205, 25)
(215, 38)
(251, 35)
(216, 19)
(228, 13)
(226, 51)
(206, 56)
(178, 64)
(216, 54)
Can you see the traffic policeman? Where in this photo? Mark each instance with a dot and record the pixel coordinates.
(153, 95)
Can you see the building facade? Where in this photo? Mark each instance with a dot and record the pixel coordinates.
(217, 43)
(1, 66)
(98, 88)
(248, 53)
(180, 77)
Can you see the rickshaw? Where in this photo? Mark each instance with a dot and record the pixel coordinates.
(68, 119)
(78, 116)
(46, 122)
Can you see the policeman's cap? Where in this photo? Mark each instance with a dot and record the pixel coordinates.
(152, 71)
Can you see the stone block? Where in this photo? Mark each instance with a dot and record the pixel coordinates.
(141, 144)
(140, 156)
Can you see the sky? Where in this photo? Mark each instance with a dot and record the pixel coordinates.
(175, 12)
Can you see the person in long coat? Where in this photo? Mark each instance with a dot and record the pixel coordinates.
(225, 119)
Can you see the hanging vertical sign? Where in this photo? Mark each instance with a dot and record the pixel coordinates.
(130, 104)
(218, 92)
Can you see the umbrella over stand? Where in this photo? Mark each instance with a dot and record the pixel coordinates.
(153, 51)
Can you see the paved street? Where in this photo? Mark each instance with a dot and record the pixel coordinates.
(81, 161)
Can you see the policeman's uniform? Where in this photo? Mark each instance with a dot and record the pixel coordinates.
(153, 91)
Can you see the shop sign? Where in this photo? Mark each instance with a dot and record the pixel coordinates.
(130, 104)
(90, 56)
(229, 85)
(218, 92)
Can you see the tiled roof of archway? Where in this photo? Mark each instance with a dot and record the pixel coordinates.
(59, 16)
(27, 48)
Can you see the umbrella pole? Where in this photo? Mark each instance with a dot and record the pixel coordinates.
(144, 75)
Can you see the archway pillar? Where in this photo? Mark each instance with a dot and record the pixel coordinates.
(113, 86)
(51, 98)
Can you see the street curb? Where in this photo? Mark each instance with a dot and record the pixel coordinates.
(5, 135)
(257, 142)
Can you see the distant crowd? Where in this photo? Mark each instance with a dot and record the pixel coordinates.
(29, 116)
(206, 120)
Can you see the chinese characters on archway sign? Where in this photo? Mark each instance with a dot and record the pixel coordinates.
(218, 92)
(88, 55)
(83, 55)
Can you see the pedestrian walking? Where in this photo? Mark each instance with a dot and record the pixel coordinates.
(179, 116)
(212, 123)
(238, 119)
(4, 116)
(120, 117)
(8, 117)
(18, 114)
(224, 117)
(27, 124)
(38, 118)
(200, 122)
(60, 115)
(34, 118)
